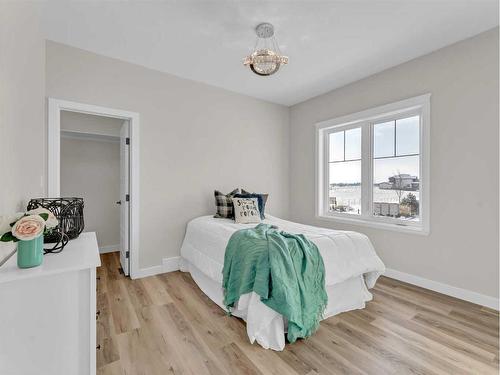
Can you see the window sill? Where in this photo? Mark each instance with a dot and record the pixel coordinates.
(420, 230)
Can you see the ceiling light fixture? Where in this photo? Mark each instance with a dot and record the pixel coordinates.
(266, 57)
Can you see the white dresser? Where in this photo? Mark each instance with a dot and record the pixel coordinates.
(48, 313)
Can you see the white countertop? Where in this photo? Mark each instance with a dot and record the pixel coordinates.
(80, 253)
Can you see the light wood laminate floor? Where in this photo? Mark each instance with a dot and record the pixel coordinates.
(165, 325)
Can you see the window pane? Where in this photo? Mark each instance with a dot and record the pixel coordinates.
(353, 144)
(336, 146)
(383, 139)
(396, 187)
(407, 136)
(345, 187)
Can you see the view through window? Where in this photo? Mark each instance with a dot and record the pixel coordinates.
(396, 165)
(345, 171)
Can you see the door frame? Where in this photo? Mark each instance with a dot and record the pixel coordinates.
(55, 106)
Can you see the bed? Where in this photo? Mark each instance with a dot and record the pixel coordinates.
(351, 268)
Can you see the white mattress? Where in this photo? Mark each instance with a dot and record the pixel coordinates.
(351, 265)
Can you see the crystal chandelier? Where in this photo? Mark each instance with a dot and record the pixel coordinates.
(266, 57)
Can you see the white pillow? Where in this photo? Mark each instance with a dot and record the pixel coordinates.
(246, 210)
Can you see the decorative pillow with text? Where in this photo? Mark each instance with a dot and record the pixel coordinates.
(246, 210)
(262, 197)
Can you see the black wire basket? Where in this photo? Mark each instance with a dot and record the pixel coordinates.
(69, 212)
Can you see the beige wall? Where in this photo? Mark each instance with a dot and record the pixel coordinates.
(90, 169)
(22, 86)
(194, 138)
(183, 159)
(462, 248)
(22, 89)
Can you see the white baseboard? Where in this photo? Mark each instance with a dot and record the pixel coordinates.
(464, 294)
(171, 264)
(149, 271)
(109, 249)
(168, 265)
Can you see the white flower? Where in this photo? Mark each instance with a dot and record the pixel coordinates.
(28, 227)
(51, 222)
(6, 220)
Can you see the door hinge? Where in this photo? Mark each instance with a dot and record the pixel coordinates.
(127, 254)
(127, 197)
(127, 141)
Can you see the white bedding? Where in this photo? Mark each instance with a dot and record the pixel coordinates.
(349, 257)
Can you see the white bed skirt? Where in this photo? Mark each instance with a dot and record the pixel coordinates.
(265, 325)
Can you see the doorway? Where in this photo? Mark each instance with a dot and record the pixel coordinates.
(119, 128)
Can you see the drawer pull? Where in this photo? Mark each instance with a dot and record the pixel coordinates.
(98, 347)
(97, 314)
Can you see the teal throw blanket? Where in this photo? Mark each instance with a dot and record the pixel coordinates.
(285, 270)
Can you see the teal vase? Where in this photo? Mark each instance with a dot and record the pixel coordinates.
(30, 253)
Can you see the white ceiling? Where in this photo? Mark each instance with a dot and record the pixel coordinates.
(330, 43)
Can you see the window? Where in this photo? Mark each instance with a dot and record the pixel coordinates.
(372, 167)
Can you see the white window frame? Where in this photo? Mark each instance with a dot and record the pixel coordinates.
(419, 105)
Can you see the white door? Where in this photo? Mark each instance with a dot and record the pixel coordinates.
(124, 197)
